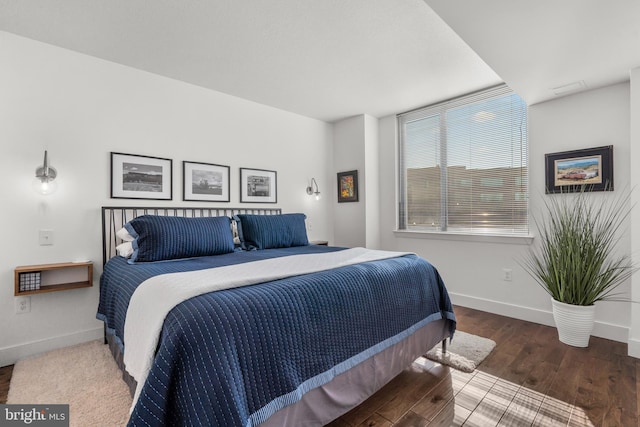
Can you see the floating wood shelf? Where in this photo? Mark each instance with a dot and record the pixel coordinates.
(38, 279)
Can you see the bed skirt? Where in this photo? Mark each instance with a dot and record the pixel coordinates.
(346, 391)
(118, 356)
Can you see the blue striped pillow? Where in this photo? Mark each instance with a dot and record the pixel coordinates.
(159, 238)
(271, 231)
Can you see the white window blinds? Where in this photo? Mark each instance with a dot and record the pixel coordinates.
(463, 165)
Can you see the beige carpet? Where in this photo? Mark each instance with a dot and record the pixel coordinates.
(84, 376)
(465, 352)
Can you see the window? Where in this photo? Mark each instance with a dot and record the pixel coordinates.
(463, 165)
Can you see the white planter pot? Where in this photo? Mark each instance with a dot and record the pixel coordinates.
(574, 322)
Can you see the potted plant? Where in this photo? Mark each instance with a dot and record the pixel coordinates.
(576, 260)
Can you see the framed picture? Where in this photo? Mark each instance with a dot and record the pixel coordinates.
(568, 171)
(205, 182)
(141, 177)
(348, 186)
(258, 186)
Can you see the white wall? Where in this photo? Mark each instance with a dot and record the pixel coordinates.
(634, 156)
(356, 148)
(80, 109)
(349, 154)
(472, 269)
(371, 190)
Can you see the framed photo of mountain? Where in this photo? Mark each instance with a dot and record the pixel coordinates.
(141, 177)
(571, 171)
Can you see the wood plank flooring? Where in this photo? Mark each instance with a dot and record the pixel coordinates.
(5, 378)
(530, 379)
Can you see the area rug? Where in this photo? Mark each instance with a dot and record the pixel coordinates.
(84, 376)
(87, 378)
(465, 352)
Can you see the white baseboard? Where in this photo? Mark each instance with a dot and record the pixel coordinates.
(10, 355)
(634, 348)
(543, 317)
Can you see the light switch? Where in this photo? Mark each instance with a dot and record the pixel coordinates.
(46, 237)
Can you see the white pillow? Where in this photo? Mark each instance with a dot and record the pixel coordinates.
(234, 230)
(125, 249)
(124, 235)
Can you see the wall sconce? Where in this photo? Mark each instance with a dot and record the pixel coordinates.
(44, 182)
(310, 190)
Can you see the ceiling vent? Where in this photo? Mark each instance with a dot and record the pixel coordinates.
(568, 88)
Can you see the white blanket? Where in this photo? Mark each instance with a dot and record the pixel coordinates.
(155, 297)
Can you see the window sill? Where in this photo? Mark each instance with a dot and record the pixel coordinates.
(466, 237)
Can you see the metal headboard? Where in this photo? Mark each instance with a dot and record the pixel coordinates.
(114, 217)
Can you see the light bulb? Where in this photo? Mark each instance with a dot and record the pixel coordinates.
(310, 189)
(44, 187)
(44, 183)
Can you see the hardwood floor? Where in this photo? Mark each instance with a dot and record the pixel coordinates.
(530, 379)
(5, 378)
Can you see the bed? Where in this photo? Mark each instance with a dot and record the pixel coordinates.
(261, 328)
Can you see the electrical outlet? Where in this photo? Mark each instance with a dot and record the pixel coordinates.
(507, 274)
(45, 237)
(22, 305)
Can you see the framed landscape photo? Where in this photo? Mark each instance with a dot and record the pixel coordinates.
(348, 186)
(258, 186)
(569, 171)
(141, 177)
(205, 182)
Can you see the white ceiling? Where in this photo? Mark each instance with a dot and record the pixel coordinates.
(539, 45)
(331, 59)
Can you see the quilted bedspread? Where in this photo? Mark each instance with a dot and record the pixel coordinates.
(235, 356)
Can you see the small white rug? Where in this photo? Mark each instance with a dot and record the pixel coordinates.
(464, 353)
(84, 376)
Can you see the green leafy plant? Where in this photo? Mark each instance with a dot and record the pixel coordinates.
(576, 261)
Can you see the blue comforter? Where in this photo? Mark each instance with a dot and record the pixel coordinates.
(234, 357)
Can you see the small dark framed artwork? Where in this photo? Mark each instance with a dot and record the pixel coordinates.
(348, 186)
(258, 186)
(141, 177)
(569, 171)
(205, 182)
